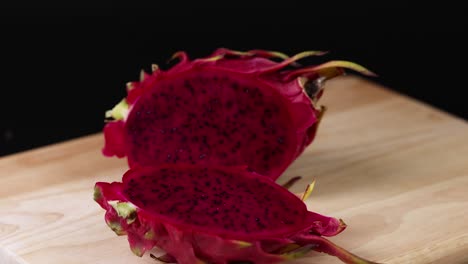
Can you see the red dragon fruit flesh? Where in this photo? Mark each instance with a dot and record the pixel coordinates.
(256, 108)
(215, 214)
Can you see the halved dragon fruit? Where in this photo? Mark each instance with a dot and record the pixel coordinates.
(215, 214)
(231, 108)
(200, 139)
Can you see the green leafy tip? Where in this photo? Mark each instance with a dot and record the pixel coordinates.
(149, 235)
(166, 258)
(331, 69)
(125, 210)
(97, 194)
(308, 191)
(116, 227)
(154, 67)
(119, 112)
(211, 59)
(137, 250)
(242, 244)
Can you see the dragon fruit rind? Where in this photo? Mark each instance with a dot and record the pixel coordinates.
(230, 108)
(215, 214)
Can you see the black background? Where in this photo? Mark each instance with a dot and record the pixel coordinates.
(62, 67)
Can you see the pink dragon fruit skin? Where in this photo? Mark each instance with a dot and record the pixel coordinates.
(230, 108)
(215, 214)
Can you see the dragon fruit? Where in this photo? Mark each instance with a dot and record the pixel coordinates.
(215, 214)
(205, 141)
(231, 108)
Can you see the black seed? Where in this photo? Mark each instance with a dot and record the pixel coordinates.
(260, 225)
(202, 156)
(246, 90)
(178, 188)
(203, 80)
(280, 140)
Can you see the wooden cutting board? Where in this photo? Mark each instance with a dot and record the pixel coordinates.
(395, 170)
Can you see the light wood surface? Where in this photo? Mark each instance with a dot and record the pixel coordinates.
(395, 170)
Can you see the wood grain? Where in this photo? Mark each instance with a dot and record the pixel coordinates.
(395, 170)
